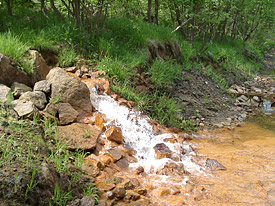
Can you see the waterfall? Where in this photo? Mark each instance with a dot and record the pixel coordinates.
(138, 134)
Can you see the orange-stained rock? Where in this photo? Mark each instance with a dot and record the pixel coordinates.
(130, 151)
(131, 195)
(105, 185)
(139, 170)
(94, 160)
(114, 134)
(170, 139)
(140, 202)
(122, 163)
(171, 168)
(114, 96)
(131, 159)
(119, 192)
(124, 102)
(175, 191)
(98, 120)
(100, 84)
(141, 191)
(135, 182)
(162, 151)
(98, 149)
(127, 185)
(79, 136)
(110, 172)
(90, 169)
(115, 154)
(97, 74)
(163, 191)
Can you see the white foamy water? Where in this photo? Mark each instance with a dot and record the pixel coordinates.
(138, 134)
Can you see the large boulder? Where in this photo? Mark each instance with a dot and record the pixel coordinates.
(68, 89)
(37, 98)
(40, 67)
(79, 136)
(10, 73)
(4, 91)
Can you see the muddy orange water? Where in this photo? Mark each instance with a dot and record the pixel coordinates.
(248, 153)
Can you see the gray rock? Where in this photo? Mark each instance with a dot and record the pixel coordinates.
(43, 86)
(257, 90)
(4, 91)
(79, 73)
(38, 98)
(214, 164)
(256, 98)
(71, 69)
(24, 108)
(87, 201)
(110, 195)
(48, 178)
(242, 98)
(40, 67)
(66, 113)
(10, 73)
(18, 89)
(68, 89)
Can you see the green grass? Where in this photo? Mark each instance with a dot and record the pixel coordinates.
(164, 74)
(24, 145)
(67, 57)
(120, 49)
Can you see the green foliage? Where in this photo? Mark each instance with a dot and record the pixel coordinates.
(60, 197)
(32, 184)
(67, 57)
(164, 74)
(91, 191)
(115, 68)
(12, 46)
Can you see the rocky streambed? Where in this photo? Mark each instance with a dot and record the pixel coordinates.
(133, 160)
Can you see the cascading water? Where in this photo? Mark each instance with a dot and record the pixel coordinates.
(138, 134)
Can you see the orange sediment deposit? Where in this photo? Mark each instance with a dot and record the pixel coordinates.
(248, 153)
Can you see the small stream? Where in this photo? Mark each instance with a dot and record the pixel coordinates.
(248, 153)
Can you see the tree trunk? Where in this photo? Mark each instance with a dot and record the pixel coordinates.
(56, 10)
(77, 12)
(8, 2)
(149, 17)
(156, 12)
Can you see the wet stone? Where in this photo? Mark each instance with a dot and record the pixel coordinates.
(79, 136)
(214, 164)
(114, 134)
(115, 154)
(141, 191)
(131, 195)
(139, 170)
(122, 163)
(119, 192)
(162, 151)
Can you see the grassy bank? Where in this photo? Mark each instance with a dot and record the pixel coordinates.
(25, 146)
(121, 49)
